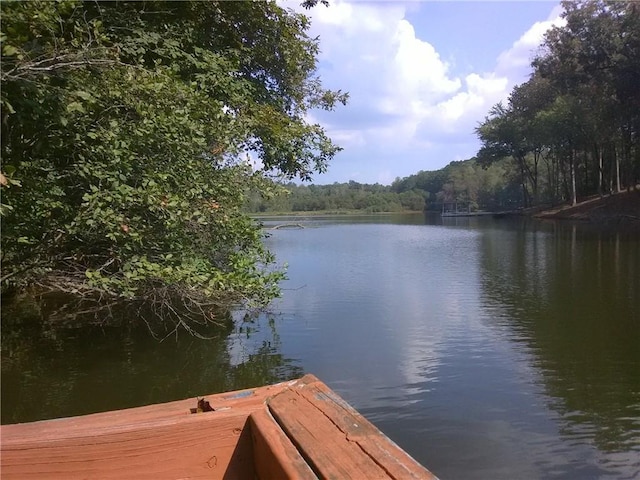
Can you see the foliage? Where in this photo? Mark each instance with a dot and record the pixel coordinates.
(460, 181)
(124, 128)
(574, 127)
(337, 197)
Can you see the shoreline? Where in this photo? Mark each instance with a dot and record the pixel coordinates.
(620, 207)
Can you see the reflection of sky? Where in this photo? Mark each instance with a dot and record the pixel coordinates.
(373, 302)
(247, 339)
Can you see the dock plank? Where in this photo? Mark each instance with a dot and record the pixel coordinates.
(347, 445)
(275, 457)
(329, 454)
(209, 445)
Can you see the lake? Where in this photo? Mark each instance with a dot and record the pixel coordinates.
(486, 348)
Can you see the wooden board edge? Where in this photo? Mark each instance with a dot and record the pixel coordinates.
(357, 429)
(273, 453)
(242, 401)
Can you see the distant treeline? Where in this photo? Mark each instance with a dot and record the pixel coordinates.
(464, 181)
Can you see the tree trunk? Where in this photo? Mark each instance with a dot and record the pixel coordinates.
(585, 158)
(551, 185)
(627, 160)
(523, 182)
(534, 176)
(617, 157)
(572, 167)
(563, 170)
(598, 152)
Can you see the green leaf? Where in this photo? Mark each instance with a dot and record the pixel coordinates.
(9, 50)
(84, 95)
(75, 107)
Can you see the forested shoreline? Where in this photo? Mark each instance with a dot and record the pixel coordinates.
(461, 181)
(573, 129)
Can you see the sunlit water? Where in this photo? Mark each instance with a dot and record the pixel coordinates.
(486, 348)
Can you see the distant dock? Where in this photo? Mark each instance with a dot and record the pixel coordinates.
(464, 210)
(473, 214)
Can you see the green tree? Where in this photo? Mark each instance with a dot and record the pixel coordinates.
(124, 132)
(596, 57)
(579, 111)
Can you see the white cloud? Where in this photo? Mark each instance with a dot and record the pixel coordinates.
(513, 66)
(393, 77)
(406, 102)
(347, 138)
(481, 93)
(516, 62)
(340, 13)
(416, 74)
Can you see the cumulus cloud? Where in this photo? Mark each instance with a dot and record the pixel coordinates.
(393, 76)
(416, 74)
(407, 104)
(515, 63)
(481, 91)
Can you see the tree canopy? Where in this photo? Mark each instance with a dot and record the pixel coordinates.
(578, 116)
(466, 181)
(127, 129)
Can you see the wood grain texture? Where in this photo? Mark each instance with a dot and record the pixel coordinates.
(336, 440)
(293, 430)
(163, 441)
(275, 457)
(134, 418)
(205, 447)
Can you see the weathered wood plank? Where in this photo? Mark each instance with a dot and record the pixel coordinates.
(322, 445)
(317, 435)
(336, 440)
(209, 445)
(156, 441)
(275, 457)
(134, 418)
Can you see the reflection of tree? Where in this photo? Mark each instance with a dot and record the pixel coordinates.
(571, 293)
(54, 372)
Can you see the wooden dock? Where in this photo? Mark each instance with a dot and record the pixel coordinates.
(471, 214)
(293, 430)
(463, 209)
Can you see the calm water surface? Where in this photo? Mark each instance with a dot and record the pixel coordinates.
(486, 348)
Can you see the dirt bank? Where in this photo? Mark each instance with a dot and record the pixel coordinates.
(617, 208)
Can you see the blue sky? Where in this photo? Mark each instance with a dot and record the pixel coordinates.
(421, 75)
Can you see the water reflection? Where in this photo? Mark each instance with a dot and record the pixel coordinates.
(361, 309)
(570, 293)
(50, 372)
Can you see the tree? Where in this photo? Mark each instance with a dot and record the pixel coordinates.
(124, 132)
(578, 111)
(595, 59)
(503, 133)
